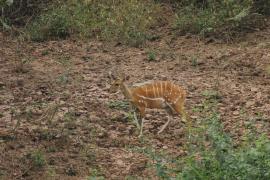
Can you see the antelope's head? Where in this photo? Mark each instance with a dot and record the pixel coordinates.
(116, 84)
(117, 81)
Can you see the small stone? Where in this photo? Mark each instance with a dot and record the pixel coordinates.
(236, 113)
(250, 103)
(254, 89)
(165, 147)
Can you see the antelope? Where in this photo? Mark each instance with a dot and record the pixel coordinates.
(153, 95)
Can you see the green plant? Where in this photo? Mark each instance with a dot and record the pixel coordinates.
(51, 172)
(63, 78)
(151, 56)
(160, 161)
(124, 105)
(3, 21)
(213, 154)
(53, 24)
(70, 120)
(211, 94)
(95, 175)
(38, 159)
(194, 61)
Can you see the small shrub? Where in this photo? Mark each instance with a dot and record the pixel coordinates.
(194, 61)
(262, 6)
(124, 105)
(151, 56)
(211, 95)
(54, 24)
(95, 175)
(38, 159)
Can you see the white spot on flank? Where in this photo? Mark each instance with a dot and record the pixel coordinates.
(177, 99)
(171, 89)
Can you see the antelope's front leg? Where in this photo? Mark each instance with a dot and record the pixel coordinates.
(136, 119)
(141, 129)
(142, 115)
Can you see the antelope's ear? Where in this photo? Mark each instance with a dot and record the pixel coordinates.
(122, 76)
(111, 75)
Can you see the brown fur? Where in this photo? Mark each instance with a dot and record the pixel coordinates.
(154, 95)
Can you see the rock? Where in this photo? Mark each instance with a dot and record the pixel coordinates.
(254, 89)
(250, 103)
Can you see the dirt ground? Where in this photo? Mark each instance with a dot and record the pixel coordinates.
(54, 101)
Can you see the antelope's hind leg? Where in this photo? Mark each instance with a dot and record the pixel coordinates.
(165, 125)
(169, 111)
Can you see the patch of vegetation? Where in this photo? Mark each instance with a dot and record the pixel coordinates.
(151, 56)
(125, 21)
(51, 172)
(262, 6)
(211, 95)
(194, 61)
(124, 105)
(160, 161)
(212, 154)
(53, 24)
(20, 12)
(220, 18)
(70, 120)
(64, 78)
(38, 159)
(218, 159)
(95, 175)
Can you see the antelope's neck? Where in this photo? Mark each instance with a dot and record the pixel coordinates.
(126, 91)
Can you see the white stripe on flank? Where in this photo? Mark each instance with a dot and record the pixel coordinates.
(161, 90)
(153, 87)
(157, 90)
(152, 99)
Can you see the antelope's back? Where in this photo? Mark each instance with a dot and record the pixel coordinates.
(156, 93)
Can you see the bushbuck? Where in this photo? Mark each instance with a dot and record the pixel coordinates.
(153, 95)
